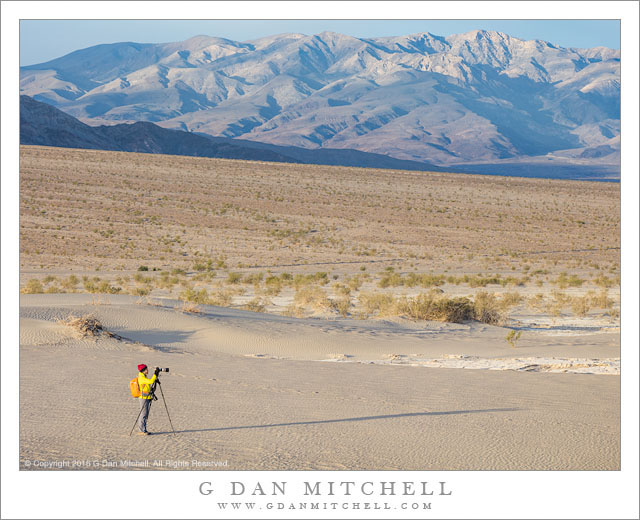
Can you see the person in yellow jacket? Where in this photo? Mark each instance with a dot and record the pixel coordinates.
(146, 396)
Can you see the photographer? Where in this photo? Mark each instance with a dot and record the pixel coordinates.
(146, 396)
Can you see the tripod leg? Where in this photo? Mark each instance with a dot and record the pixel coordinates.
(167, 409)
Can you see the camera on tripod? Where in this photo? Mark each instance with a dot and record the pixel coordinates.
(158, 370)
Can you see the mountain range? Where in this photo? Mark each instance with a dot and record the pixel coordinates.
(481, 101)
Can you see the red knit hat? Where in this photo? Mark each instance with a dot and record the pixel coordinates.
(141, 367)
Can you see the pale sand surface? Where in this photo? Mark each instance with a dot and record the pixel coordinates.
(256, 390)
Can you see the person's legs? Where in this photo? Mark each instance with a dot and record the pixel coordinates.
(142, 423)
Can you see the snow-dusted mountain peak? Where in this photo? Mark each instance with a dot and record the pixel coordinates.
(477, 96)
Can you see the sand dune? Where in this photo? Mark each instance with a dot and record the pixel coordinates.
(257, 391)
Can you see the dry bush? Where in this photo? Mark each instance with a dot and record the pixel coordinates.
(273, 285)
(302, 280)
(190, 307)
(563, 281)
(509, 300)
(255, 305)
(486, 308)
(234, 278)
(342, 305)
(70, 283)
(293, 311)
(340, 289)
(434, 307)
(33, 286)
(140, 291)
(604, 281)
(378, 304)
(221, 298)
(194, 296)
(580, 305)
(312, 296)
(87, 325)
(601, 300)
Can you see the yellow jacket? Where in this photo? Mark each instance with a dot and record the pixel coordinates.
(145, 385)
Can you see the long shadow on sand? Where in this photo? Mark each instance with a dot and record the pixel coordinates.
(350, 419)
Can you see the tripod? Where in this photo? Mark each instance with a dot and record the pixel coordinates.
(154, 398)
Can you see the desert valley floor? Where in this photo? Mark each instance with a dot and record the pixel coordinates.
(317, 317)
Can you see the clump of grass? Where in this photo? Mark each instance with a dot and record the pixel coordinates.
(87, 325)
(255, 305)
(97, 286)
(513, 337)
(70, 283)
(33, 286)
(221, 298)
(433, 307)
(312, 296)
(194, 296)
(302, 280)
(601, 300)
(378, 304)
(342, 305)
(509, 300)
(190, 307)
(234, 278)
(355, 282)
(340, 289)
(604, 281)
(273, 285)
(563, 281)
(486, 308)
(255, 279)
(580, 305)
(393, 279)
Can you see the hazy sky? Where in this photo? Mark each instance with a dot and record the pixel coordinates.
(43, 40)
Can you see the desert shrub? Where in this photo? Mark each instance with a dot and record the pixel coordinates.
(301, 280)
(513, 337)
(49, 278)
(509, 300)
(195, 296)
(581, 305)
(563, 281)
(341, 289)
(601, 300)
(312, 296)
(391, 279)
(378, 304)
(254, 278)
(342, 305)
(199, 267)
(140, 278)
(190, 307)
(87, 325)
(221, 298)
(604, 281)
(356, 281)
(234, 278)
(255, 305)
(33, 286)
(143, 268)
(70, 283)
(428, 306)
(54, 289)
(273, 285)
(486, 308)
(100, 287)
(140, 291)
